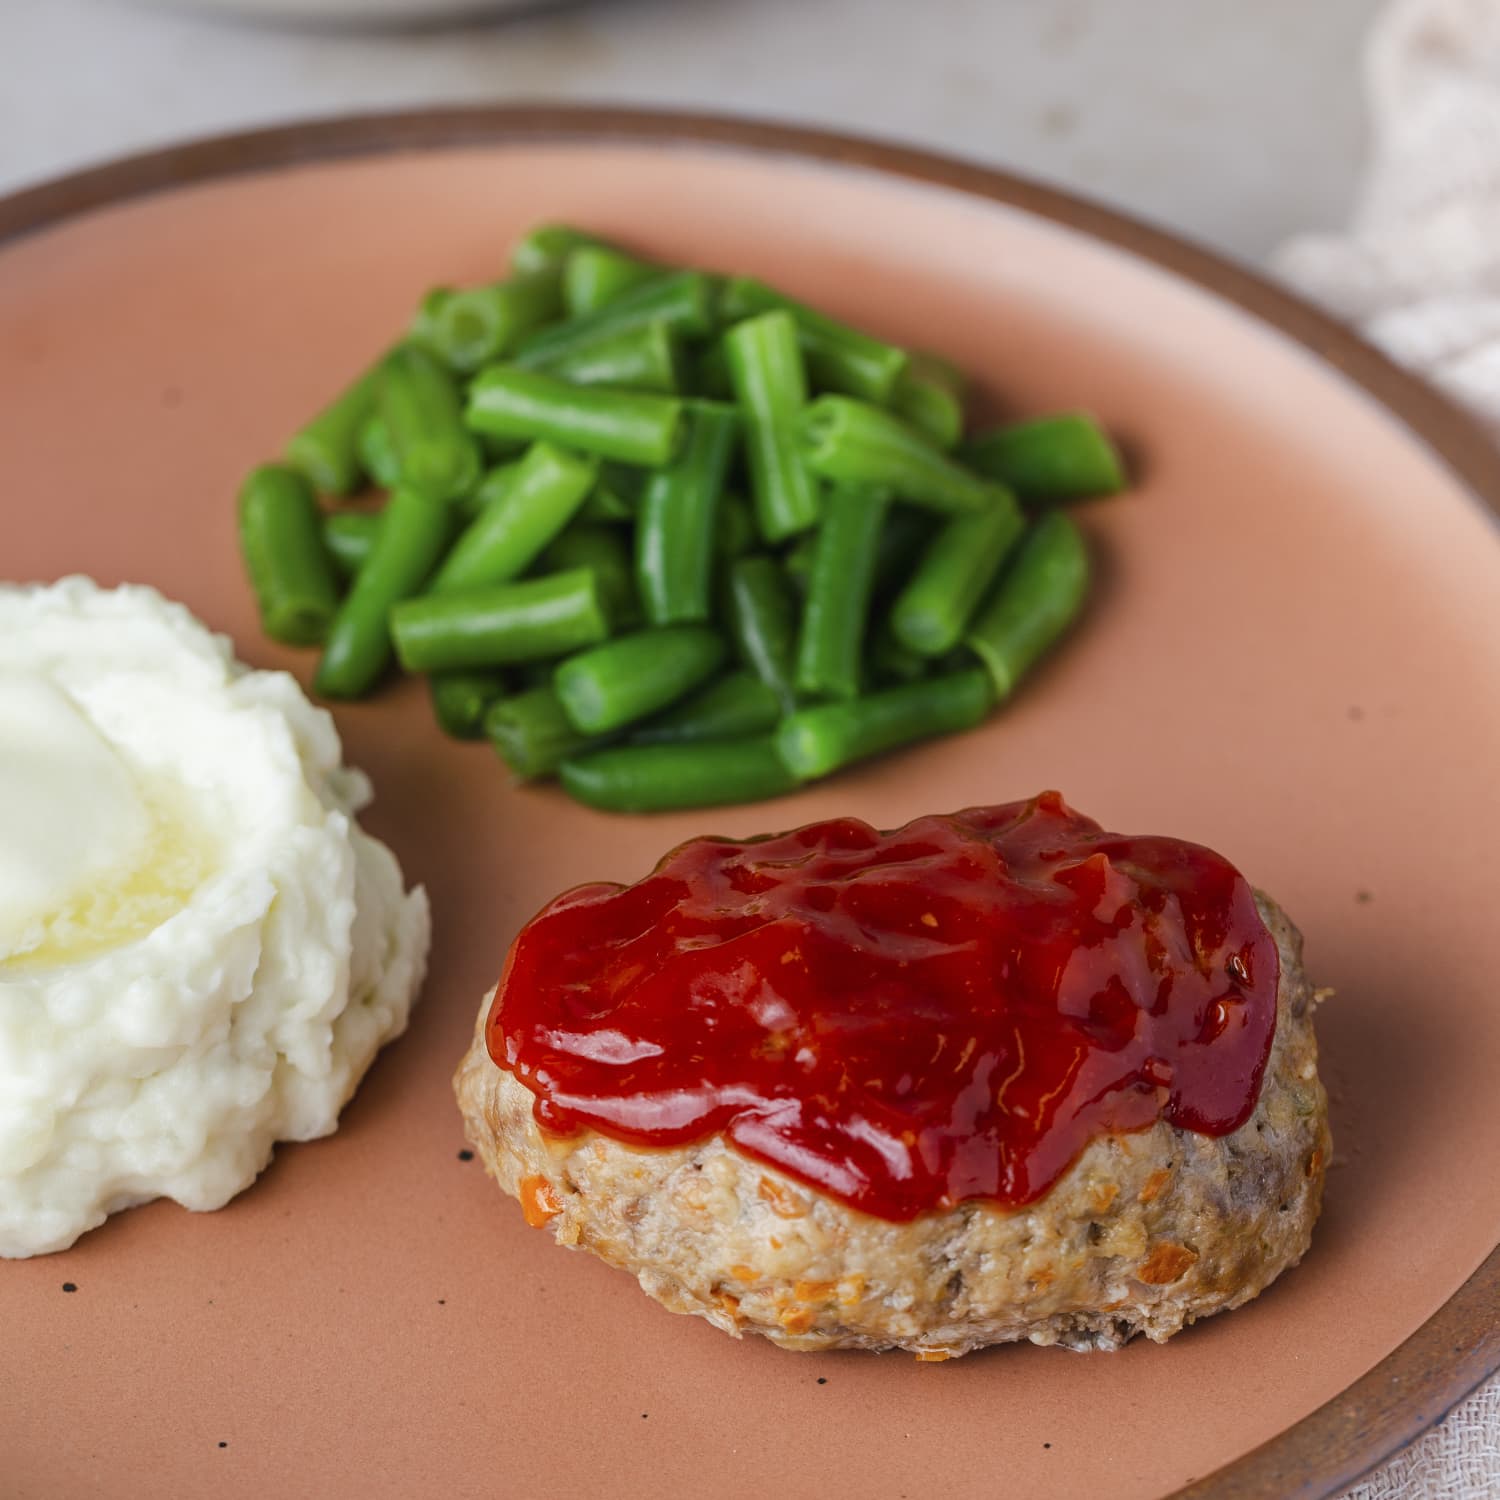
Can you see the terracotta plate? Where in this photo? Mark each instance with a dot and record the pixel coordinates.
(1293, 657)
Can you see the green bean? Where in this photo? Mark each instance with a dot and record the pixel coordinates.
(484, 323)
(505, 623)
(763, 621)
(461, 699)
(349, 537)
(422, 410)
(326, 450)
(631, 426)
(626, 480)
(797, 561)
(904, 537)
(536, 673)
(674, 534)
(1036, 599)
(735, 534)
(617, 494)
(644, 358)
(499, 450)
(733, 706)
(890, 661)
(531, 733)
(955, 573)
(606, 507)
(495, 485)
(711, 373)
(836, 610)
(282, 544)
(854, 443)
(595, 274)
(930, 397)
(413, 534)
(662, 778)
(815, 741)
(609, 686)
(540, 496)
(686, 301)
(547, 248)
(376, 456)
(1064, 457)
(765, 369)
(839, 358)
(423, 327)
(606, 554)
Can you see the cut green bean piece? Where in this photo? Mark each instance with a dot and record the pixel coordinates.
(460, 701)
(606, 554)
(735, 534)
(531, 733)
(674, 534)
(839, 358)
(617, 494)
(413, 534)
(505, 623)
(765, 370)
(610, 686)
(855, 443)
(376, 455)
(930, 397)
(1037, 598)
(816, 741)
(645, 358)
(836, 611)
(289, 567)
(959, 565)
(349, 536)
(797, 560)
(903, 539)
(663, 778)
(606, 506)
(711, 373)
(499, 450)
(536, 673)
(481, 324)
(547, 248)
(492, 488)
(326, 450)
(1064, 457)
(685, 301)
(631, 426)
(422, 409)
(890, 661)
(730, 708)
(423, 327)
(540, 496)
(595, 274)
(763, 621)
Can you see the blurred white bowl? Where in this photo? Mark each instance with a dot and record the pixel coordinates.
(353, 13)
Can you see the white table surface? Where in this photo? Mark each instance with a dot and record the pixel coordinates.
(1236, 123)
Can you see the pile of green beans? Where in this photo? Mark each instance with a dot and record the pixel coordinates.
(673, 538)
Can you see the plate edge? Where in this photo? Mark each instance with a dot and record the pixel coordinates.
(1420, 1381)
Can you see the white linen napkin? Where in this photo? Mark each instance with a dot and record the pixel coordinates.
(1419, 269)
(1419, 273)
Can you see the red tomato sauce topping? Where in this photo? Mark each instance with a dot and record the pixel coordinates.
(902, 1020)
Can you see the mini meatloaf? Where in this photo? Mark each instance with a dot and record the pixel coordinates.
(1143, 1232)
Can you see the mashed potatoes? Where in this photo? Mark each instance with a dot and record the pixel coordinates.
(200, 952)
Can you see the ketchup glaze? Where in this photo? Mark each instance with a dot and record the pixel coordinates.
(902, 1020)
